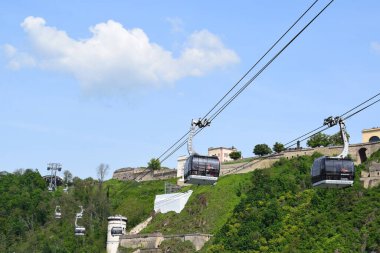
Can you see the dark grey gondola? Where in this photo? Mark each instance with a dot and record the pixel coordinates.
(329, 172)
(201, 170)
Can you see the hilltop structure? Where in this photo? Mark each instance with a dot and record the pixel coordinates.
(371, 135)
(222, 153)
(143, 174)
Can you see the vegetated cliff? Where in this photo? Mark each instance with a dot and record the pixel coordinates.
(271, 210)
(27, 222)
(277, 210)
(282, 213)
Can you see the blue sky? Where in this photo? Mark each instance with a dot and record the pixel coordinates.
(118, 82)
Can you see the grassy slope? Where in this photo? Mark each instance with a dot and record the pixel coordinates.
(282, 213)
(208, 208)
(134, 200)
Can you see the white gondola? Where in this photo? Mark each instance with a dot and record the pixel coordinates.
(57, 212)
(334, 172)
(80, 231)
(200, 170)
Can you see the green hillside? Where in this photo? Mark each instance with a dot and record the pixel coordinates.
(272, 210)
(27, 212)
(281, 213)
(207, 210)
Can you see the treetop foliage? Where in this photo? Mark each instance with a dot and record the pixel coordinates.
(262, 149)
(235, 155)
(154, 164)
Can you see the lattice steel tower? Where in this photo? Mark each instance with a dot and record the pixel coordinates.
(53, 167)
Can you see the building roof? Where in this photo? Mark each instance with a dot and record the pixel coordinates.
(231, 148)
(373, 129)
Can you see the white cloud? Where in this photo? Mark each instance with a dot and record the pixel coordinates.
(17, 59)
(115, 57)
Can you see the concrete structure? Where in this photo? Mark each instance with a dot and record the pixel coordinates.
(140, 226)
(116, 227)
(153, 241)
(143, 174)
(371, 177)
(371, 135)
(171, 202)
(222, 153)
(181, 160)
(358, 152)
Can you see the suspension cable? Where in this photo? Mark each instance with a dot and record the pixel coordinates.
(268, 63)
(309, 136)
(257, 62)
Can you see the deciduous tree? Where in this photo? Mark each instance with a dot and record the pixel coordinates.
(262, 149)
(278, 147)
(235, 155)
(154, 164)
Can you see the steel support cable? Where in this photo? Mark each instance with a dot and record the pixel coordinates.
(262, 57)
(299, 138)
(257, 62)
(268, 63)
(261, 70)
(340, 116)
(243, 166)
(174, 144)
(180, 146)
(360, 105)
(349, 116)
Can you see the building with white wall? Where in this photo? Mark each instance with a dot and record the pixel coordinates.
(222, 153)
(116, 227)
(181, 160)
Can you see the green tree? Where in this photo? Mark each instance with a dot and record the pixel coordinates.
(318, 140)
(67, 177)
(336, 139)
(102, 171)
(154, 164)
(278, 147)
(262, 149)
(235, 155)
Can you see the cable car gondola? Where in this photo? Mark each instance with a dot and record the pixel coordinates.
(57, 212)
(80, 231)
(200, 169)
(334, 172)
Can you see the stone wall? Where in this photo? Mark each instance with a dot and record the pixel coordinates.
(143, 174)
(358, 152)
(371, 177)
(152, 241)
